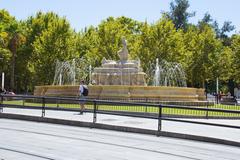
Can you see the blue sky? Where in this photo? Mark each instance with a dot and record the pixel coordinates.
(90, 12)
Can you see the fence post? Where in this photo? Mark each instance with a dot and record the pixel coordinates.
(146, 106)
(159, 120)
(58, 102)
(207, 111)
(95, 111)
(23, 101)
(43, 106)
(1, 104)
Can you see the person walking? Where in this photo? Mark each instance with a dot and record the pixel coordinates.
(83, 93)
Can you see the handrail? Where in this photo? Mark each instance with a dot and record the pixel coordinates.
(87, 100)
(104, 102)
(159, 115)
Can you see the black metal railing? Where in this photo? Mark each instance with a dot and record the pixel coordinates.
(143, 110)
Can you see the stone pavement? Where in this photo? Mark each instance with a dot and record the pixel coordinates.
(27, 140)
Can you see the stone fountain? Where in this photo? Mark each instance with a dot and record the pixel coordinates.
(124, 80)
(122, 72)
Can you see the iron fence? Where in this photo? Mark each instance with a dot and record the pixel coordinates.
(159, 111)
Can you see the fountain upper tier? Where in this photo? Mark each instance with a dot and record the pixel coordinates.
(122, 72)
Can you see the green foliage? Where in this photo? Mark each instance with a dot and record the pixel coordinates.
(178, 13)
(11, 38)
(50, 38)
(222, 32)
(31, 47)
(236, 58)
(110, 33)
(162, 41)
(203, 49)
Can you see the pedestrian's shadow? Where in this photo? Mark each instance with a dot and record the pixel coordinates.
(77, 113)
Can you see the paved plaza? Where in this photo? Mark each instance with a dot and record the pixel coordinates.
(35, 141)
(178, 127)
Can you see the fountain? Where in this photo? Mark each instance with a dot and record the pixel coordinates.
(125, 80)
(122, 72)
(64, 73)
(169, 74)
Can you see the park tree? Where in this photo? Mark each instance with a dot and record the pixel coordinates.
(112, 30)
(34, 26)
(55, 42)
(5, 20)
(206, 20)
(178, 13)
(87, 52)
(222, 33)
(160, 40)
(202, 52)
(222, 67)
(11, 39)
(16, 39)
(224, 30)
(88, 44)
(5, 53)
(235, 46)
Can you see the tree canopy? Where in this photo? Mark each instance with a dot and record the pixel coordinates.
(33, 46)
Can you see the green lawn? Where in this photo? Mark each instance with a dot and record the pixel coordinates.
(143, 109)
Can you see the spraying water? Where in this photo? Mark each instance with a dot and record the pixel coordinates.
(169, 74)
(64, 73)
(70, 72)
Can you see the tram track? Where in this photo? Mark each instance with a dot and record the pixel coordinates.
(26, 153)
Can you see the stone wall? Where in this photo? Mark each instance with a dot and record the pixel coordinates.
(117, 92)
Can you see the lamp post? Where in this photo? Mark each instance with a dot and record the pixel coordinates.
(2, 74)
(217, 90)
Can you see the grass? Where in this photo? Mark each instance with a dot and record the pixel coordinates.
(146, 109)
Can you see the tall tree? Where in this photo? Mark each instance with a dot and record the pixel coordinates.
(202, 52)
(221, 33)
(178, 13)
(236, 60)
(55, 41)
(112, 30)
(13, 38)
(206, 20)
(160, 40)
(5, 21)
(16, 39)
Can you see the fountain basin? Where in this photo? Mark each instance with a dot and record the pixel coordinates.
(127, 92)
